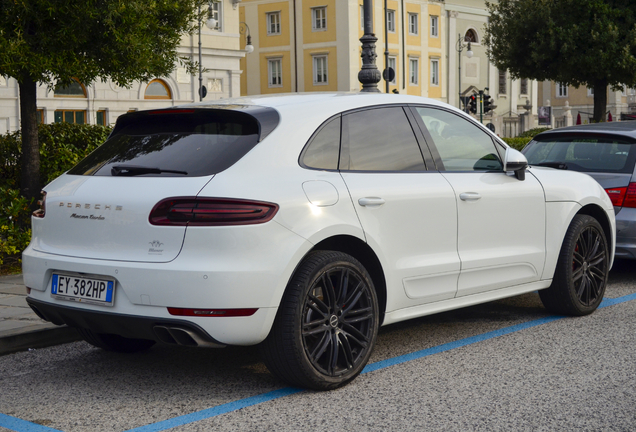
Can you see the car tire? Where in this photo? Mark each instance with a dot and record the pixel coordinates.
(326, 325)
(115, 343)
(582, 268)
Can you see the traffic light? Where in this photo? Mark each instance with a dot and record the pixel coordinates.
(472, 104)
(487, 103)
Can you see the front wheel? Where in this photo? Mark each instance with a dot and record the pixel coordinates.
(581, 273)
(326, 325)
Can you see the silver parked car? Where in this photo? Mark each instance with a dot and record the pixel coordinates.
(605, 151)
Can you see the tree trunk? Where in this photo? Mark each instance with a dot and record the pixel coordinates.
(600, 100)
(30, 163)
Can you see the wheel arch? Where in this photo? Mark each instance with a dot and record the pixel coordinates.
(600, 215)
(367, 257)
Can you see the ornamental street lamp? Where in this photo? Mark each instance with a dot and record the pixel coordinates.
(460, 47)
(244, 28)
(210, 23)
(369, 75)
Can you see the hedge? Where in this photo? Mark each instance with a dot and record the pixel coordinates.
(62, 145)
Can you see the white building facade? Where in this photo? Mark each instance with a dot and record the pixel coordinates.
(102, 102)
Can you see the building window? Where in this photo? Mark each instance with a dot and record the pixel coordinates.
(435, 72)
(101, 118)
(319, 18)
(275, 72)
(320, 70)
(393, 65)
(561, 90)
(73, 90)
(40, 115)
(216, 12)
(590, 91)
(523, 86)
(157, 89)
(471, 36)
(390, 20)
(413, 24)
(502, 82)
(70, 116)
(414, 68)
(434, 26)
(273, 23)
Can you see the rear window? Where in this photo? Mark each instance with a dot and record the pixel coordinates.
(173, 143)
(583, 153)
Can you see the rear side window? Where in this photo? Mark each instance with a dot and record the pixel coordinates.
(379, 139)
(324, 147)
(180, 143)
(589, 153)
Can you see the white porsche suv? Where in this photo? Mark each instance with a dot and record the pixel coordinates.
(304, 222)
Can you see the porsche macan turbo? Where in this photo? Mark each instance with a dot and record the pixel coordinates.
(303, 223)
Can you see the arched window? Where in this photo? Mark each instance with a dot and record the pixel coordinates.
(73, 90)
(471, 36)
(157, 89)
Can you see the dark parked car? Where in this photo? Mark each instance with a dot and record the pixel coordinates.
(605, 151)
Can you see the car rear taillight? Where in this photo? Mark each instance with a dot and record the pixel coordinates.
(212, 312)
(630, 197)
(623, 197)
(41, 212)
(192, 211)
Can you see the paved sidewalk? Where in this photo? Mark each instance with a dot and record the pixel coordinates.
(20, 327)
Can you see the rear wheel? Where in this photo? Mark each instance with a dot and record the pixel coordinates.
(581, 274)
(115, 343)
(327, 323)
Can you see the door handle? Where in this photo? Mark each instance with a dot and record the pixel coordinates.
(469, 196)
(371, 202)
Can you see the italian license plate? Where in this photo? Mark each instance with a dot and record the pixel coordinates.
(83, 289)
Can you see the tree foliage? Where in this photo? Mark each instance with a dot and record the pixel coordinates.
(55, 41)
(574, 42)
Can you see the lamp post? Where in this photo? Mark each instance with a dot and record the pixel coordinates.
(210, 23)
(244, 28)
(369, 75)
(460, 47)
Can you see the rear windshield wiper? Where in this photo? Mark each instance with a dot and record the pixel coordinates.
(133, 170)
(557, 165)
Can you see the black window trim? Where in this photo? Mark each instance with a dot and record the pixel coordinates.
(343, 153)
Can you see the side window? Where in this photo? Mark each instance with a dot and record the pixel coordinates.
(462, 146)
(323, 148)
(379, 140)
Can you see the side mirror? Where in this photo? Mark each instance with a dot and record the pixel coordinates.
(516, 162)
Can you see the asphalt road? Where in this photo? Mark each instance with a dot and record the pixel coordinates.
(506, 365)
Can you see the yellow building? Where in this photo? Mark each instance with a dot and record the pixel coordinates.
(314, 45)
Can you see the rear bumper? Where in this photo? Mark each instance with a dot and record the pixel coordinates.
(217, 269)
(171, 331)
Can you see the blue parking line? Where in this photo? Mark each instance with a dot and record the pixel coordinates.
(217, 410)
(19, 425)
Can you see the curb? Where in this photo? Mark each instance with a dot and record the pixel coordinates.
(37, 338)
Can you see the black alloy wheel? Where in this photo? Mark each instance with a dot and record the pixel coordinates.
(327, 323)
(582, 269)
(338, 320)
